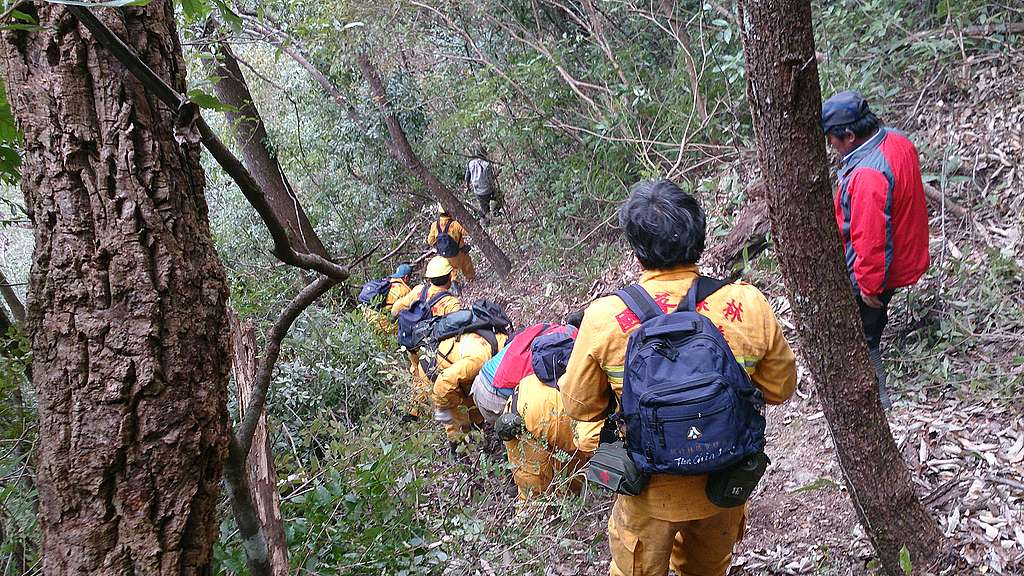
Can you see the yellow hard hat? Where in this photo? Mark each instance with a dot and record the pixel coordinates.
(438, 267)
(440, 209)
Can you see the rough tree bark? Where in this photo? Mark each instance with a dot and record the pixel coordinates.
(260, 463)
(407, 157)
(251, 136)
(785, 99)
(127, 301)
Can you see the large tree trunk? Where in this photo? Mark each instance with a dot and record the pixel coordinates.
(406, 156)
(785, 100)
(251, 135)
(127, 301)
(265, 498)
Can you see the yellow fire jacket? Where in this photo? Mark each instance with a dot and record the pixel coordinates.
(459, 360)
(596, 369)
(456, 231)
(380, 318)
(552, 443)
(445, 305)
(398, 289)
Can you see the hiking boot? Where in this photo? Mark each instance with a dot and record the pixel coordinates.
(875, 355)
(409, 417)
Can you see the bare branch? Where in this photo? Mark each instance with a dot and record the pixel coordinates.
(284, 321)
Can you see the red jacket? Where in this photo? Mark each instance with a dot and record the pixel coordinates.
(881, 213)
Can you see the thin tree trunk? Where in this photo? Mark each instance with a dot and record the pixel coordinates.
(13, 302)
(260, 464)
(251, 135)
(127, 301)
(407, 157)
(785, 100)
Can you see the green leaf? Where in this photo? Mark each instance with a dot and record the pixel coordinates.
(10, 139)
(229, 16)
(196, 10)
(19, 15)
(208, 101)
(905, 564)
(818, 484)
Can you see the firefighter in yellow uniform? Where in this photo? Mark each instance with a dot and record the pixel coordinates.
(551, 442)
(672, 522)
(459, 360)
(461, 262)
(439, 280)
(399, 287)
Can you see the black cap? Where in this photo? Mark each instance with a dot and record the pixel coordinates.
(843, 108)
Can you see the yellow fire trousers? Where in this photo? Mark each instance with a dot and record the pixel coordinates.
(648, 546)
(464, 266)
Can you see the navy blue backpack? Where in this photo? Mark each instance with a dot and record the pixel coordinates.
(688, 405)
(411, 326)
(375, 292)
(446, 245)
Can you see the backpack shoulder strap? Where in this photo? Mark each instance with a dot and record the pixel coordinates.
(437, 297)
(640, 302)
(514, 402)
(447, 225)
(424, 292)
(491, 338)
(701, 288)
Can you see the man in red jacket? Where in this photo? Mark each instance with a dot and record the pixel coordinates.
(880, 210)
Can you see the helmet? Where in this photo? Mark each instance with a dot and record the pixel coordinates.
(402, 271)
(438, 267)
(509, 426)
(440, 209)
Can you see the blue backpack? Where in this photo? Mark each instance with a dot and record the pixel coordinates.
(688, 405)
(446, 245)
(411, 326)
(375, 292)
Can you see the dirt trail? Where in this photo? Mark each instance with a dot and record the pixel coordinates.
(966, 453)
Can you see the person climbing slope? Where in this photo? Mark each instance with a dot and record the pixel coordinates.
(881, 213)
(541, 440)
(378, 296)
(502, 374)
(480, 180)
(666, 229)
(448, 238)
(455, 349)
(435, 296)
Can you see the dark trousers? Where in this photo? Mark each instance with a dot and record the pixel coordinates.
(874, 319)
(485, 203)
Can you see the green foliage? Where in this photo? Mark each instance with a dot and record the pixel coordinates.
(17, 436)
(10, 137)
(905, 564)
(209, 101)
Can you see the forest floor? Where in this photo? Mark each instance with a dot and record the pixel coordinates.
(960, 432)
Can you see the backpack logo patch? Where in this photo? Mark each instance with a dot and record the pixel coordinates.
(694, 433)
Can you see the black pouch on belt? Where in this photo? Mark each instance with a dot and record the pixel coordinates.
(733, 486)
(611, 466)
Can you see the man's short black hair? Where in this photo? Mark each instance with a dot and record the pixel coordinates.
(441, 280)
(575, 318)
(866, 126)
(664, 225)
